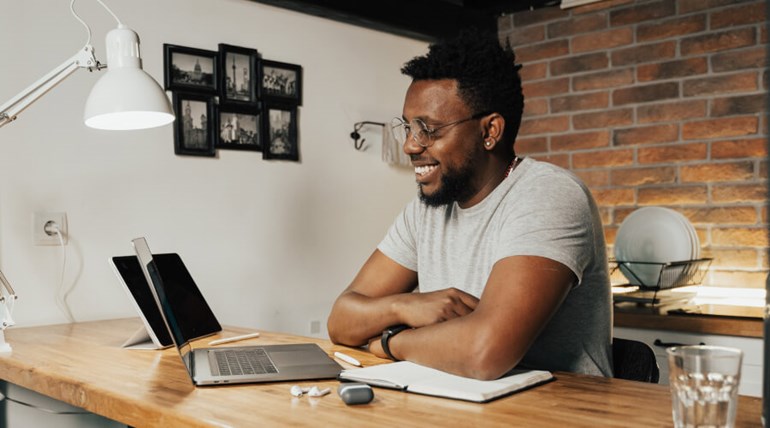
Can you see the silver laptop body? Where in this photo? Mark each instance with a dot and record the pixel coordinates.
(235, 364)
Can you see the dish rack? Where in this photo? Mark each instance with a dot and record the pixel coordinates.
(669, 275)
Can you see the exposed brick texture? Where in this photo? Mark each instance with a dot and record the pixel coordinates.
(739, 60)
(603, 80)
(579, 64)
(646, 93)
(642, 54)
(714, 128)
(585, 140)
(743, 82)
(745, 148)
(640, 176)
(603, 119)
(672, 69)
(671, 28)
(715, 42)
(672, 153)
(657, 103)
(602, 40)
(674, 111)
(578, 25)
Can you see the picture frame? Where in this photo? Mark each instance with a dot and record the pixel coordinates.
(280, 132)
(239, 128)
(238, 74)
(190, 69)
(194, 125)
(280, 82)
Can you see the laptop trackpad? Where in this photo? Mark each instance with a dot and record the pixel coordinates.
(294, 358)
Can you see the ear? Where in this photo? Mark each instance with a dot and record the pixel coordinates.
(494, 126)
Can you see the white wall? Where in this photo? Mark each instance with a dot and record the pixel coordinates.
(271, 244)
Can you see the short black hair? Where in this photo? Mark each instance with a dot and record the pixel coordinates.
(486, 74)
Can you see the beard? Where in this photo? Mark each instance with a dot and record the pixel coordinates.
(455, 187)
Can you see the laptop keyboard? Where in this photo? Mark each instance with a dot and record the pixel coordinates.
(243, 362)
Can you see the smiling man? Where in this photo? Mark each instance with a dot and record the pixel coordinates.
(501, 261)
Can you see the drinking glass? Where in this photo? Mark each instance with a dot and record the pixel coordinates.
(704, 385)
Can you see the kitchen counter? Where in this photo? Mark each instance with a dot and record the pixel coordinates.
(706, 319)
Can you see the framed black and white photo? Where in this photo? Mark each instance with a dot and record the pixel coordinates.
(238, 73)
(280, 81)
(239, 128)
(280, 132)
(190, 69)
(194, 127)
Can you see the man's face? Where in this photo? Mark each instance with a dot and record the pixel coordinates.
(445, 171)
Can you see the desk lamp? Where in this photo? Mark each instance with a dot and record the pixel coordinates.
(126, 97)
(7, 300)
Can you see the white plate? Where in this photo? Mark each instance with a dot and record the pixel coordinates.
(653, 234)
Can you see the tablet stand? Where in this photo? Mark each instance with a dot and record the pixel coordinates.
(141, 340)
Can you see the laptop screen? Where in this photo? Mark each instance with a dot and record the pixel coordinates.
(175, 321)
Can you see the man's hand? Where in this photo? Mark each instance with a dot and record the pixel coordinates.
(421, 309)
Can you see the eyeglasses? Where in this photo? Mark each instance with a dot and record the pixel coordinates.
(419, 130)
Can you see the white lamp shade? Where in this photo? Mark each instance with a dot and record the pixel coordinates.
(126, 97)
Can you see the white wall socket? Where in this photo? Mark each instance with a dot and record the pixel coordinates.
(42, 219)
(315, 327)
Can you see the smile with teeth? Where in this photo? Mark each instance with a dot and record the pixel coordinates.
(424, 169)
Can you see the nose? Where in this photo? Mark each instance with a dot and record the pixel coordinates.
(411, 147)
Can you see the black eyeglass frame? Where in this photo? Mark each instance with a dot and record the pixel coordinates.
(425, 130)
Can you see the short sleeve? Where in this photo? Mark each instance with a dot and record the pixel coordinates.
(400, 243)
(555, 223)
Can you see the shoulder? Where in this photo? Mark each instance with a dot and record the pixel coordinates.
(545, 182)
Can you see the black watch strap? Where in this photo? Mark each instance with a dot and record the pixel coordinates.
(388, 334)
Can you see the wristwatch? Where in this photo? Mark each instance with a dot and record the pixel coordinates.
(388, 334)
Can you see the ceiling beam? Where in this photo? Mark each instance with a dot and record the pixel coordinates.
(426, 20)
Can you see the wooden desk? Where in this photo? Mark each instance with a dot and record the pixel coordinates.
(82, 364)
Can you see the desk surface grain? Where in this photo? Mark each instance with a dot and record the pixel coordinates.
(83, 364)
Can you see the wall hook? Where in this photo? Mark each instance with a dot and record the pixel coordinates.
(356, 136)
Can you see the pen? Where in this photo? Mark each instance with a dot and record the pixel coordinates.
(347, 358)
(233, 339)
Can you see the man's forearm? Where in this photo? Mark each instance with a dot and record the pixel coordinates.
(462, 346)
(356, 318)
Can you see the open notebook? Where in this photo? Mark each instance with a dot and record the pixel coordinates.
(411, 377)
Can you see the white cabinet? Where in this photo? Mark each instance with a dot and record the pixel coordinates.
(42, 411)
(753, 349)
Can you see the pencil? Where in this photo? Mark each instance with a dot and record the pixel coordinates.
(233, 339)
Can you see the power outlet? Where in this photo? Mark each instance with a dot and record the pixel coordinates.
(315, 327)
(42, 228)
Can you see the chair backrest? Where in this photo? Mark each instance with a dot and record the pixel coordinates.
(634, 360)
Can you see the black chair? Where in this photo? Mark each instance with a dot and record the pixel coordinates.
(634, 360)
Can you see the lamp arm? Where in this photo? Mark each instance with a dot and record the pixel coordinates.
(7, 299)
(84, 58)
(5, 286)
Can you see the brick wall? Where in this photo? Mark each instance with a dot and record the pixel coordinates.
(656, 102)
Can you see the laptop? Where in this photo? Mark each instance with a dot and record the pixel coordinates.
(236, 364)
(153, 334)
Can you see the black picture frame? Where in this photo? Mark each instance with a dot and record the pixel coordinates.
(238, 74)
(280, 81)
(193, 109)
(190, 69)
(280, 132)
(239, 128)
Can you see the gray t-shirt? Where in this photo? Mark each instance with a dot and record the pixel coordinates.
(539, 210)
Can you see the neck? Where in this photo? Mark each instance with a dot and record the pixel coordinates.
(494, 180)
